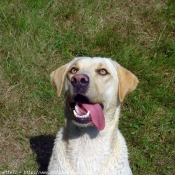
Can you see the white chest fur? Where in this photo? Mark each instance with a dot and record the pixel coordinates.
(90, 155)
(87, 154)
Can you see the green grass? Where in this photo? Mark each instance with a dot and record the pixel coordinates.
(38, 36)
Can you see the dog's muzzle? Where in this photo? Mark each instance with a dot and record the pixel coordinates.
(80, 83)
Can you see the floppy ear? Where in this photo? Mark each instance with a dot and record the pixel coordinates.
(58, 76)
(127, 82)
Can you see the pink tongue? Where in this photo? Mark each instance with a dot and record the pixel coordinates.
(96, 113)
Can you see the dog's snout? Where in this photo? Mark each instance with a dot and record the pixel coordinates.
(80, 80)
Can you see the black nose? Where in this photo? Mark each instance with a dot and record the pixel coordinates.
(80, 80)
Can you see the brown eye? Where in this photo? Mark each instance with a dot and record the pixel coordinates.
(73, 70)
(103, 71)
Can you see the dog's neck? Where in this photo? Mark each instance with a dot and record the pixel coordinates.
(78, 132)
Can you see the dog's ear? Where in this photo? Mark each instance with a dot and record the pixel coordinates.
(58, 76)
(127, 82)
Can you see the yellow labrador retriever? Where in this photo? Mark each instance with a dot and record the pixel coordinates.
(90, 142)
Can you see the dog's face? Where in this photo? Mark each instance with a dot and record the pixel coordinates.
(93, 86)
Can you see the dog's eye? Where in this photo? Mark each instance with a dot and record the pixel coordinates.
(102, 71)
(73, 70)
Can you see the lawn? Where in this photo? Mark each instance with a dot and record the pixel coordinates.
(37, 36)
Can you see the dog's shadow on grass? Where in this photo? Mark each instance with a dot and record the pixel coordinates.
(42, 145)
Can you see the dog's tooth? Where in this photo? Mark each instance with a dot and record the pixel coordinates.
(86, 115)
(76, 108)
(75, 113)
(81, 116)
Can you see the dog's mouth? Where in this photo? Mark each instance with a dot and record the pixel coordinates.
(87, 113)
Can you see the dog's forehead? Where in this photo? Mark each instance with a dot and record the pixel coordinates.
(93, 63)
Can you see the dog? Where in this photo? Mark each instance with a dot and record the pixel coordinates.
(90, 142)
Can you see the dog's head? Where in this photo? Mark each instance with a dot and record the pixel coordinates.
(93, 87)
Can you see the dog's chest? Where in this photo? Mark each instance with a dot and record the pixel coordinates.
(87, 155)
